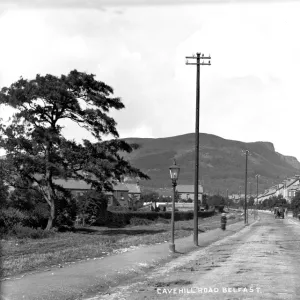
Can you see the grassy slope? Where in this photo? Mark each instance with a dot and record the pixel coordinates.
(221, 161)
(22, 256)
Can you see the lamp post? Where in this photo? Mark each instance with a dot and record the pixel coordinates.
(174, 174)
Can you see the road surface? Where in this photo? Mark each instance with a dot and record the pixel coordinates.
(262, 261)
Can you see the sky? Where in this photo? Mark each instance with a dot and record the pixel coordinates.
(249, 93)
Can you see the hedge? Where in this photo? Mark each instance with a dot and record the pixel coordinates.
(11, 217)
(124, 218)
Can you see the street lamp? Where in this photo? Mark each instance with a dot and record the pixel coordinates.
(174, 174)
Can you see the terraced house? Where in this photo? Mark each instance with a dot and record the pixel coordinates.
(287, 189)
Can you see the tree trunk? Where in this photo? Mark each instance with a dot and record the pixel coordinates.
(49, 192)
(52, 215)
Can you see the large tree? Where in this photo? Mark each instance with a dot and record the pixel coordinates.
(38, 152)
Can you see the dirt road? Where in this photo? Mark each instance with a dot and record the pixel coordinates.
(262, 261)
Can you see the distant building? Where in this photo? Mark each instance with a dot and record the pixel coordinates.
(187, 191)
(287, 189)
(236, 197)
(123, 194)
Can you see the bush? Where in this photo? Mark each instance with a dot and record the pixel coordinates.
(65, 211)
(138, 221)
(23, 232)
(11, 217)
(39, 216)
(92, 205)
(118, 209)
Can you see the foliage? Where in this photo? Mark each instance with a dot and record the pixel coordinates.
(91, 205)
(149, 196)
(139, 221)
(25, 199)
(66, 210)
(295, 204)
(272, 202)
(11, 217)
(37, 151)
(251, 201)
(3, 187)
(167, 199)
(204, 200)
(215, 200)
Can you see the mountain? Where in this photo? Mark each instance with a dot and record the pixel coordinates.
(222, 162)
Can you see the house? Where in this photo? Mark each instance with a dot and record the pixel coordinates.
(187, 191)
(236, 197)
(287, 189)
(291, 186)
(123, 194)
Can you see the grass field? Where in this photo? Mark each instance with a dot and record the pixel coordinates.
(26, 255)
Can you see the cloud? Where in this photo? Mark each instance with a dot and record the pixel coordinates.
(101, 4)
(251, 83)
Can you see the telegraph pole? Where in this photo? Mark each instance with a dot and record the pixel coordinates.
(245, 204)
(250, 186)
(256, 191)
(198, 63)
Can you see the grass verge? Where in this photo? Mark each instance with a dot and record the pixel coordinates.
(20, 256)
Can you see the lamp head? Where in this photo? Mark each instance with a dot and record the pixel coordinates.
(174, 171)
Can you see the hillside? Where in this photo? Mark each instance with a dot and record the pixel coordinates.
(222, 163)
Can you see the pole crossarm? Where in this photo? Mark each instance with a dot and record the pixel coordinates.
(195, 57)
(201, 63)
(200, 60)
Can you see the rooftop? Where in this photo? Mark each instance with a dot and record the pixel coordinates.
(188, 189)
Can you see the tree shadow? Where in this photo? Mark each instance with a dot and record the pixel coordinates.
(118, 231)
(131, 231)
(86, 230)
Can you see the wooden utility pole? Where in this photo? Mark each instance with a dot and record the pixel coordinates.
(198, 63)
(245, 204)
